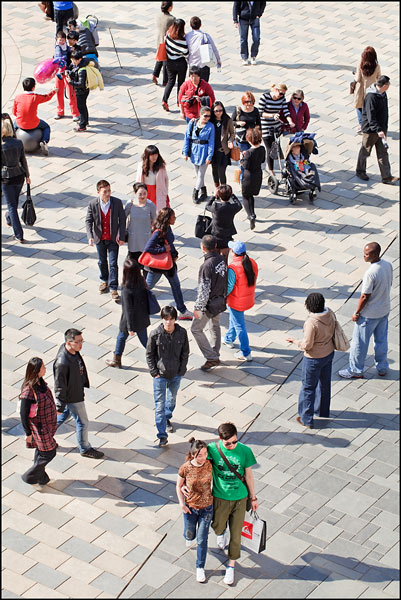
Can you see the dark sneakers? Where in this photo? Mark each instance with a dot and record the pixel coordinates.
(92, 453)
(390, 180)
(163, 442)
(209, 364)
(169, 427)
(362, 176)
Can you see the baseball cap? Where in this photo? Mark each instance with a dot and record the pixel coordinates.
(237, 247)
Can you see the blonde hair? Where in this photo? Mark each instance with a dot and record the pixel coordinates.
(6, 128)
(279, 86)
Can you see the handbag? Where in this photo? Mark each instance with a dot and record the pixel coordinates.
(248, 500)
(206, 54)
(203, 225)
(254, 532)
(33, 409)
(237, 175)
(235, 152)
(153, 305)
(340, 340)
(28, 210)
(352, 87)
(161, 54)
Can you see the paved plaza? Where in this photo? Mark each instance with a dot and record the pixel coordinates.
(330, 496)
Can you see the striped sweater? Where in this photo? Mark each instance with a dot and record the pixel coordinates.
(176, 49)
(268, 105)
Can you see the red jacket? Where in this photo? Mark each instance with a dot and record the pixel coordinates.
(243, 296)
(300, 118)
(187, 90)
(26, 108)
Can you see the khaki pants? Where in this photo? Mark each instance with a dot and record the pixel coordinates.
(209, 351)
(368, 141)
(232, 511)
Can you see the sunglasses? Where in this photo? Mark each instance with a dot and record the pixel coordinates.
(296, 98)
(206, 116)
(217, 110)
(234, 443)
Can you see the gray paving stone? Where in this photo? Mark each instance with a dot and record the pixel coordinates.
(46, 576)
(117, 525)
(17, 541)
(146, 499)
(41, 305)
(83, 491)
(80, 549)
(109, 583)
(52, 516)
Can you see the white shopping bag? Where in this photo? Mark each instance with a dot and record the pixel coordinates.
(207, 55)
(253, 535)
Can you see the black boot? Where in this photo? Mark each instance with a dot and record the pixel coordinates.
(203, 196)
(195, 198)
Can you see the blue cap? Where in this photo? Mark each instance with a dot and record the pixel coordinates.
(237, 247)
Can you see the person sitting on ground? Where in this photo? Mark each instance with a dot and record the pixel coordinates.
(194, 93)
(25, 110)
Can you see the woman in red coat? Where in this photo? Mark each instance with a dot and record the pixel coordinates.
(299, 112)
(242, 275)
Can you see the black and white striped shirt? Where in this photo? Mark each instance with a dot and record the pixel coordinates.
(176, 49)
(268, 105)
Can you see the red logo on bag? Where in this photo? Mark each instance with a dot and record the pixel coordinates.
(247, 530)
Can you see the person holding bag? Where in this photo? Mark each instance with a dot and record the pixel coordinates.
(161, 244)
(176, 63)
(140, 214)
(164, 21)
(199, 148)
(223, 143)
(367, 73)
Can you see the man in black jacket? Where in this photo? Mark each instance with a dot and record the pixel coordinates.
(77, 79)
(374, 130)
(210, 302)
(167, 354)
(247, 14)
(70, 379)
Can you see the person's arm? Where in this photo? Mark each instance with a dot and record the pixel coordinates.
(210, 145)
(210, 205)
(151, 356)
(24, 164)
(89, 224)
(237, 203)
(204, 288)
(246, 159)
(230, 133)
(26, 400)
(180, 495)
(152, 214)
(153, 246)
(40, 98)
(262, 6)
(210, 93)
(251, 486)
(60, 386)
(15, 105)
(185, 148)
(361, 304)
(128, 304)
(184, 356)
(121, 222)
(308, 340)
(306, 117)
(231, 279)
(236, 6)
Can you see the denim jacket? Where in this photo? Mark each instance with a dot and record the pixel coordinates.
(199, 148)
(13, 161)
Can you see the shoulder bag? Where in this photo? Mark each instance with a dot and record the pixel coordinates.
(248, 500)
(28, 210)
(235, 152)
(162, 261)
(161, 54)
(340, 340)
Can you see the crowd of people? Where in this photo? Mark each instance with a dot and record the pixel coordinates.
(209, 490)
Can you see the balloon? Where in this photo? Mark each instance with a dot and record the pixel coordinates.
(45, 70)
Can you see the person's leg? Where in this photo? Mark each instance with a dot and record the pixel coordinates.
(222, 173)
(231, 333)
(368, 141)
(79, 413)
(159, 394)
(152, 278)
(157, 68)
(120, 342)
(37, 473)
(268, 140)
(101, 250)
(235, 523)
(215, 173)
(246, 202)
(198, 174)
(252, 205)
(255, 28)
(173, 386)
(72, 99)
(171, 77)
(197, 327)
(221, 512)
(176, 291)
(83, 109)
(324, 390)
(64, 416)
(363, 330)
(380, 335)
(112, 249)
(215, 334)
(60, 85)
(143, 337)
(205, 73)
(382, 159)
(181, 72)
(63, 17)
(243, 27)
(45, 131)
(306, 400)
(201, 175)
(165, 76)
(11, 194)
(204, 521)
(359, 116)
(238, 317)
(190, 522)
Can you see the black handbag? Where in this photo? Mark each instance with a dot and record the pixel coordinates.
(153, 305)
(28, 210)
(203, 225)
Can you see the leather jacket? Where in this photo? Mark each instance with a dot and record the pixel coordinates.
(167, 353)
(69, 383)
(13, 161)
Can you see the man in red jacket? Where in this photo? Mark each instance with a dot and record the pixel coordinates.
(26, 111)
(194, 93)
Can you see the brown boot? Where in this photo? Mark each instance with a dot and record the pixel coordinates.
(116, 362)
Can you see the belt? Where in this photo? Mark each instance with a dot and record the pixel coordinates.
(199, 141)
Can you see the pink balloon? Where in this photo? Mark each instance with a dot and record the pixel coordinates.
(45, 70)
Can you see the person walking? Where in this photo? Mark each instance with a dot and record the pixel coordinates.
(223, 206)
(140, 215)
(199, 148)
(197, 505)
(246, 15)
(14, 171)
(371, 315)
(230, 491)
(242, 277)
(105, 228)
(70, 379)
(252, 161)
(135, 310)
(62, 12)
(167, 354)
(223, 142)
(194, 93)
(152, 171)
(164, 22)
(39, 420)
(374, 130)
(195, 39)
(318, 347)
(210, 302)
(367, 73)
(161, 241)
(176, 63)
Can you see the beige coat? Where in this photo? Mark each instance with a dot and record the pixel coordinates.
(318, 335)
(163, 23)
(362, 84)
(227, 135)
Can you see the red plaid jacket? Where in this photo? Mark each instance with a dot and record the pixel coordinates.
(44, 425)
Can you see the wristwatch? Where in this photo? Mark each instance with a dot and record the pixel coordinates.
(357, 314)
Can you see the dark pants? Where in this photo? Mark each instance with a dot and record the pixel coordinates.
(61, 17)
(11, 194)
(316, 388)
(123, 336)
(205, 73)
(219, 173)
(249, 205)
(268, 141)
(368, 141)
(158, 67)
(43, 126)
(243, 33)
(176, 70)
(37, 473)
(110, 277)
(83, 109)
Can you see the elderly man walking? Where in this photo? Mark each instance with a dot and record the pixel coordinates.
(371, 315)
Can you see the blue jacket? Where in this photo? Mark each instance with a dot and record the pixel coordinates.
(200, 152)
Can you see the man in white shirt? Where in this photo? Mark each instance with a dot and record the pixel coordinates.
(371, 315)
(195, 39)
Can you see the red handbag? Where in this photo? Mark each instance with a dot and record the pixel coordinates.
(162, 261)
(161, 54)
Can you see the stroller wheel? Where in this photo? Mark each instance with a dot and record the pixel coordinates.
(272, 184)
(312, 196)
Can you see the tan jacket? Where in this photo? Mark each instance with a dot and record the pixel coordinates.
(163, 23)
(227, 135)
(318, 334)
(362, 84)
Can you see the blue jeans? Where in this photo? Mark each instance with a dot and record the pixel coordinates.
(103, 248)
(359, 115)
(11, 194)
(243, 33)
(243, 146)
(123, 336)
(152, 278)
(78, 411)
(363, 330)
(165, 395)
(315, 393)
(202, 519)
(43, 126)
(237, 327)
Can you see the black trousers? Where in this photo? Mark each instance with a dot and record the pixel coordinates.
(176, 70)
(83, 109)
(249, 205)
(268, 141)
(219, 173)
(158, 67)
(37, 473)
(61, 17)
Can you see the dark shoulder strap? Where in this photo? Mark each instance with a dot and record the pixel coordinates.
(229, 464)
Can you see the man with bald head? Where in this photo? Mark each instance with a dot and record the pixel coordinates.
(371, 315)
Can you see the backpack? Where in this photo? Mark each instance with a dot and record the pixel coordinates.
(91, 23)
(94, 78)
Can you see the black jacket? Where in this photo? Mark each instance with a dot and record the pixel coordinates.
(87, 42)
(243, 10)
(13, 161)
(223, 218)
(94, 220)
(78, 76)
(135, 308)
(68, 382)
(167, 353)
(252, 178)
(374, 111)
(212, 285)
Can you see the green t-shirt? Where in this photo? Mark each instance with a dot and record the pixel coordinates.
(225, 484)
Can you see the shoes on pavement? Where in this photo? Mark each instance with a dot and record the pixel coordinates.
(200, 575)
(92, 453)
(390, 180)
(190, 543)
(75, 119)
(185, 316)
(103, 288)
(163, 442)
(79, 129)
(240, 356)
(382, 373)
(169, 426)
(209, 364)
(244, 62)
(154, 79)
(228, 344)
(221, 541)
(229, 576)
(253, 60)
(20, 240)
(298, 419)
(165, 106)
(45, 148)
(115, 361)
(346, 374)
(362, 176)
(57, 117)
(251, 223)
(115, 296)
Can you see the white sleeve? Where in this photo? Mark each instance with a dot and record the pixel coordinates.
(368, 283)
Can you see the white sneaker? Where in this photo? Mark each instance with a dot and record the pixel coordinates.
(244, 62)
(189, 543)
(185, 316)
(240, 356)
(200, 575)
(346, 374)
(45, 149)
(229, 576)
(221, 541)
(253, 61)
(228, 344)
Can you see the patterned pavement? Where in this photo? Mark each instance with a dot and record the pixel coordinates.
(112, 528)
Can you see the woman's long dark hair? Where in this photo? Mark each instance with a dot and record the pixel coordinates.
(368, 61)
(224, 116)
(195, 448)
(165, 6)
(149, 150)
(248, 269)
(162, 220)
(132, 274)
(177, 30)
(32, 372)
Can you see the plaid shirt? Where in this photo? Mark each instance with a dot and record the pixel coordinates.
(44, 425)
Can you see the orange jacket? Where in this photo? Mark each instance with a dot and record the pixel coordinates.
(243, 296)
